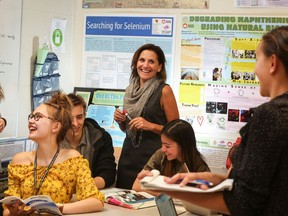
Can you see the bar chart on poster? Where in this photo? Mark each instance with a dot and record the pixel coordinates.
(10, 37)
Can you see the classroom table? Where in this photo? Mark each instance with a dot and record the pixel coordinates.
(111, 210)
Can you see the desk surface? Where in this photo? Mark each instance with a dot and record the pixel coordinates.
(111, 210)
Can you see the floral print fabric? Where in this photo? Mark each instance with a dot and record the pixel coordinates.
(72, 176)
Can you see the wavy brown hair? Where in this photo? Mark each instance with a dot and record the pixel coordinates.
(77, 100)
(59, 107)
(162, 75)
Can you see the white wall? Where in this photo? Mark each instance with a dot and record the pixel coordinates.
(216, 7)
(36, 22)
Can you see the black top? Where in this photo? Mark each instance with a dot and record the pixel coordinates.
(133, 159)
(260, 163)
(103, 161)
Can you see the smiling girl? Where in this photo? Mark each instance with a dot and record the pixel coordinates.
(178, 153)
(58, 173)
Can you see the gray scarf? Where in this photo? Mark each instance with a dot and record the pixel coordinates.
(135, 99)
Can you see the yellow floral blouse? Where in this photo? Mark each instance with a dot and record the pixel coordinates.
(72, 176)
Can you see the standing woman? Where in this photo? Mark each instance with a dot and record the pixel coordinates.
(3, 121)
(149, 103)
(58, 173)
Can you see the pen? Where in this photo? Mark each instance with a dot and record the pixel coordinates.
(195, 182)
(186, 167)
(199, 182)
(127, 115)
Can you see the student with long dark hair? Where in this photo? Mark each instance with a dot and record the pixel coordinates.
(179, 152)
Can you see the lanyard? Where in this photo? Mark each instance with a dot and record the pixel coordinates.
(37, 188)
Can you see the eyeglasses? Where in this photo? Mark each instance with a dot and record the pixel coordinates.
(37, 116)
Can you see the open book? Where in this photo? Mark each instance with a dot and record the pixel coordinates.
(128, 198)
(156, 182)
(41, 203)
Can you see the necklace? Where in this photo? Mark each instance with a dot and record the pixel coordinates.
(137, 144)
(37, 188)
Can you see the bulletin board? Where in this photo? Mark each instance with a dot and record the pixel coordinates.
(101, 106)
(110, 41)
(217, 84)
(10, 37)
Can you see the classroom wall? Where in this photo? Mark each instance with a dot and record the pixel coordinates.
(10, 37)
(216, 7)
(36, 22)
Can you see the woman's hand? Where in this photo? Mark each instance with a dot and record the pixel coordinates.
(139, 123)
(18, 208)
(144, 173)
(185, 178)
(60, 206)
(119, 116)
